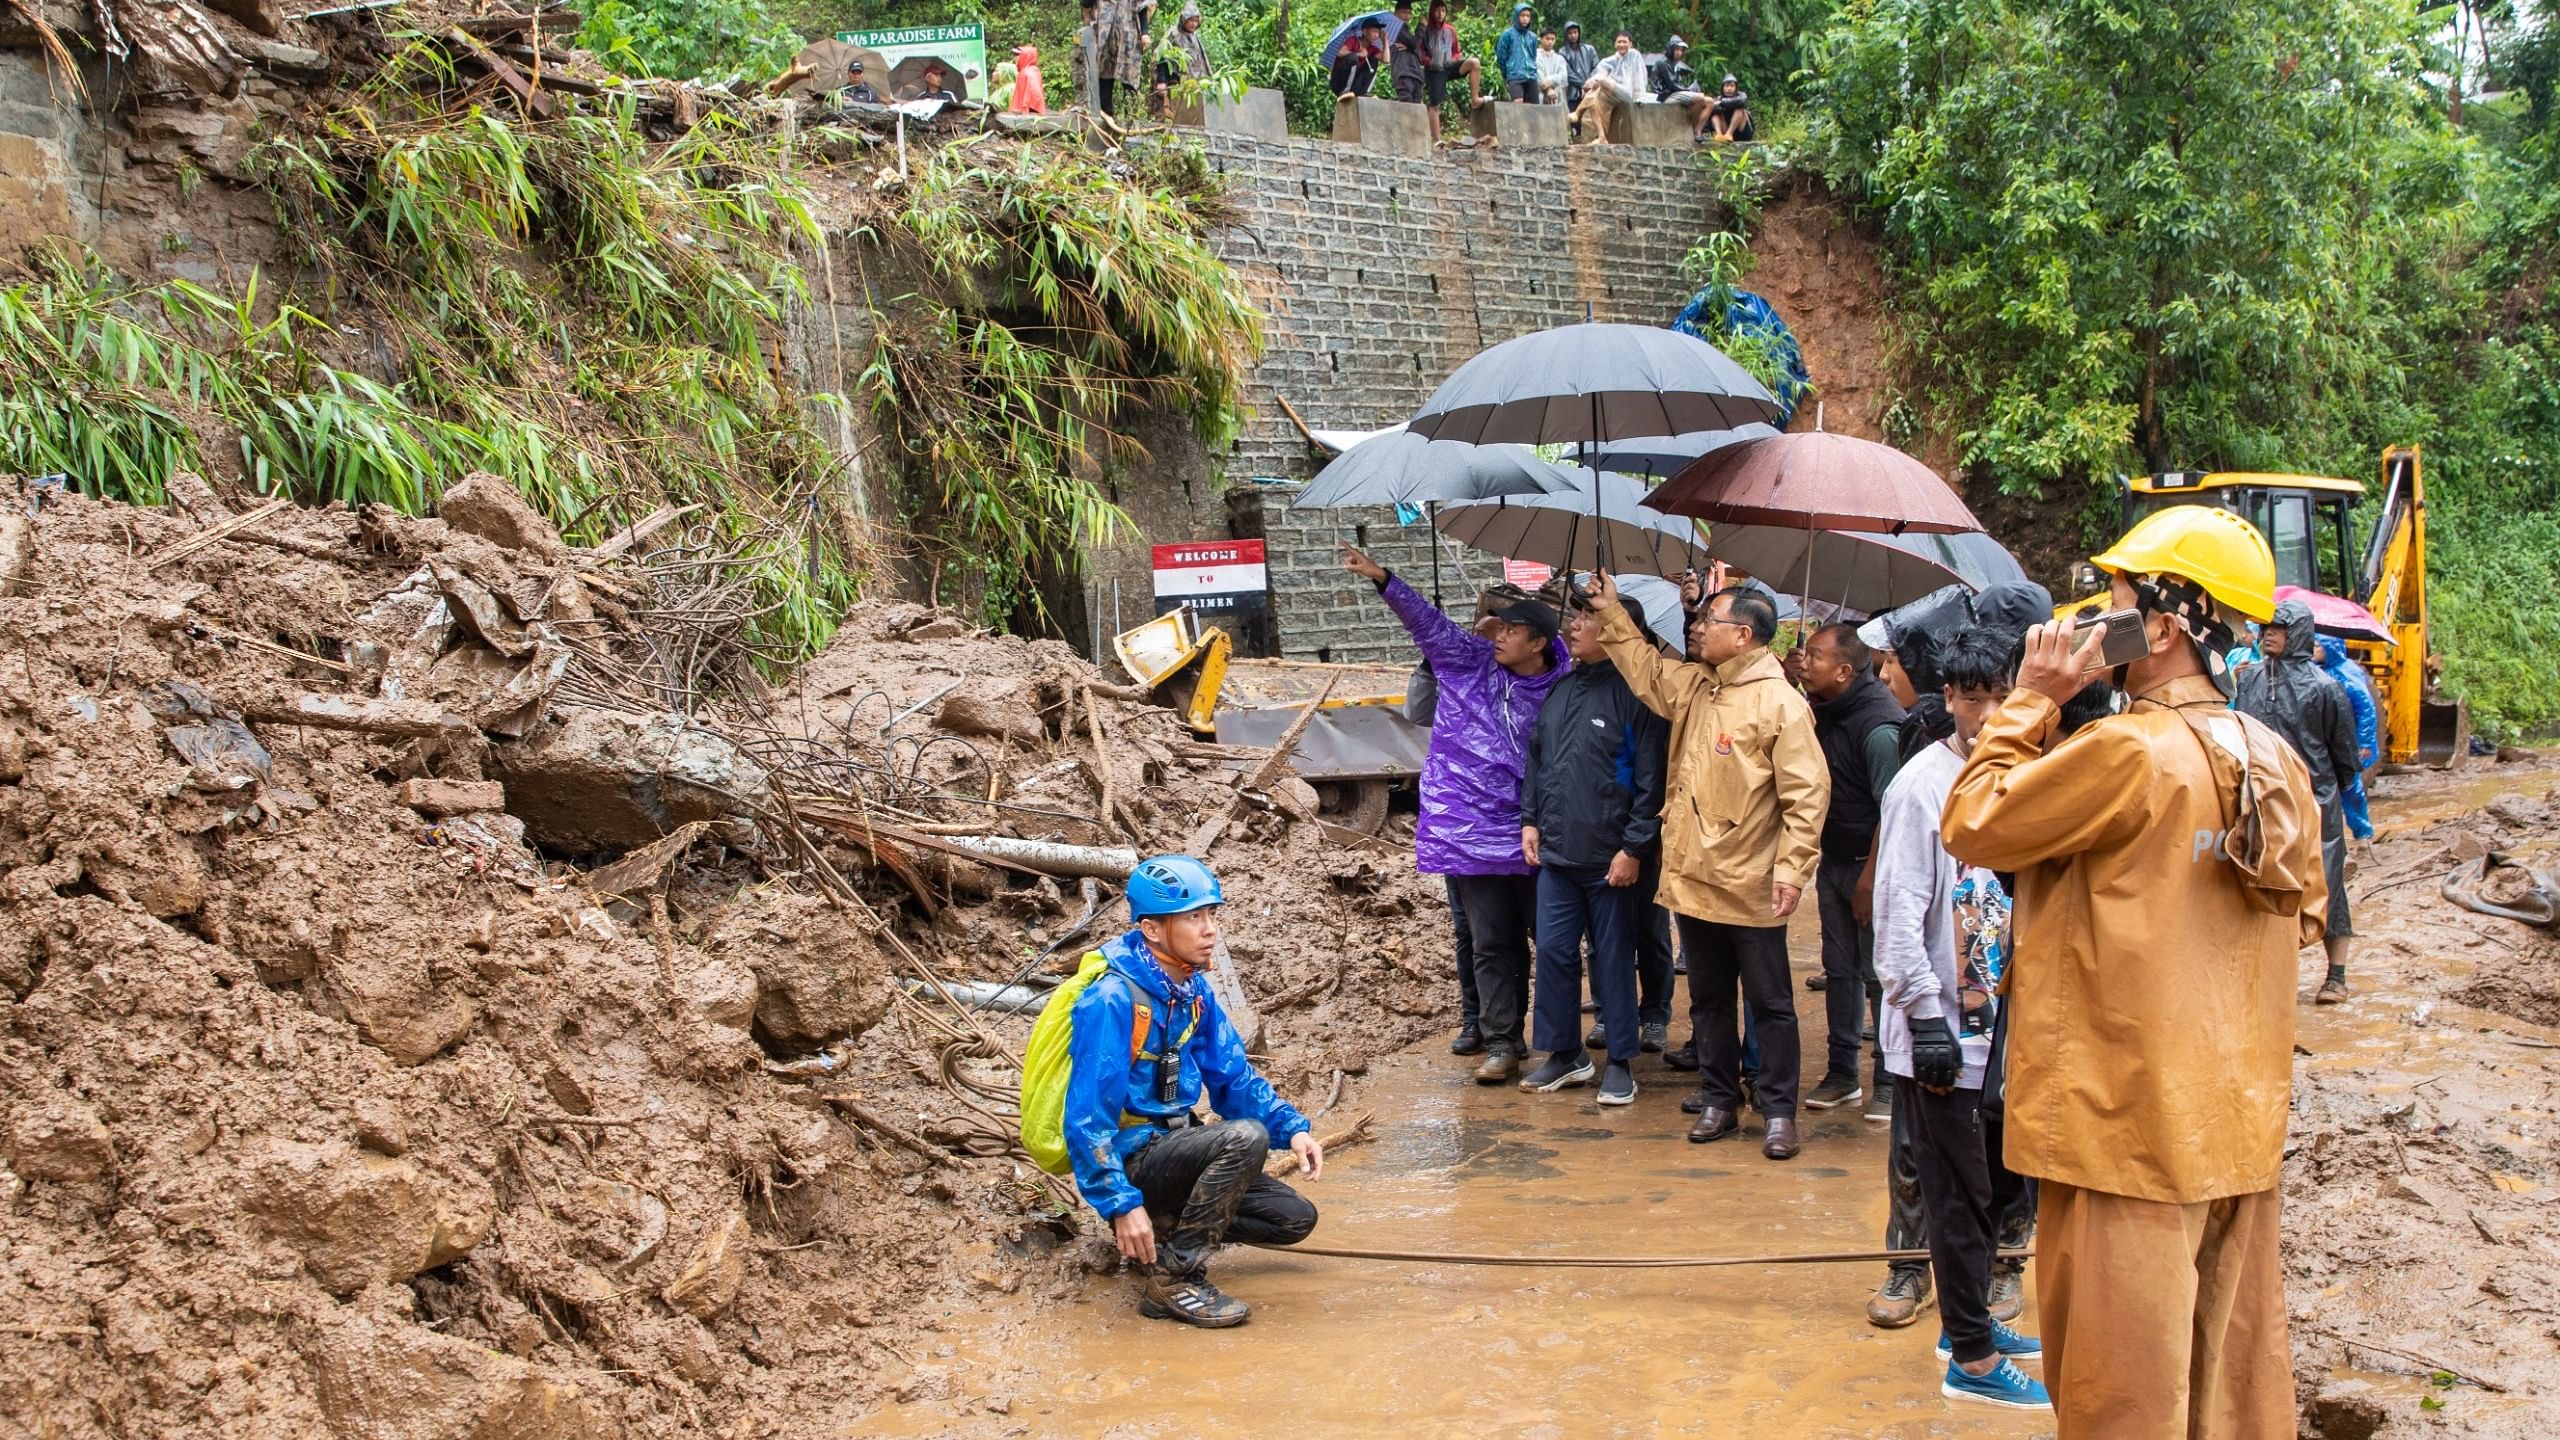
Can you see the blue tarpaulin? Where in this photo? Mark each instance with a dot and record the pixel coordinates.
(1747, 314)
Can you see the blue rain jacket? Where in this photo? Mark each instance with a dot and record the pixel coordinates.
(1104, 1085)
(2359, 685)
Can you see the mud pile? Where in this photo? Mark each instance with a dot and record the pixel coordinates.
(409, 1030)
(2420, 1252)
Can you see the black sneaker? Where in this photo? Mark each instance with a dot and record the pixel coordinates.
(1879, 1107)
(1817, 981)
(1834, 1092)
(1684, 1058)
(1618, 1085)
(1598, 1039)
(1561, 1069)
(1469, 1041)
(1653, 1039)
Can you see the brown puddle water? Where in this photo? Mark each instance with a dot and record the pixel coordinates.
(1359, 1348)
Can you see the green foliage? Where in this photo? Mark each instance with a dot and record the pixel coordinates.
(2197, 236)
(1067, 297)
(689, 39)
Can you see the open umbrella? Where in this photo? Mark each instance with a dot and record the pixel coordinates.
(1977, 559)
(2337, 614)
(1815, 480)
(1351, 27)
(1598, 525)
(1591, 382)
(1854, 572)
(1658, 600)
(1662, 456)
(1401, 468)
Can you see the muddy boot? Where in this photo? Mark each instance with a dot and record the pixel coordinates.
(1904, 1296)
(2008, 1293)
(1469, 1040)
(1192, 1300)
(1501, 1063)
(2333, 990)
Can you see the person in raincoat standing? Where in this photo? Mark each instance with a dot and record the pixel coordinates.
(2308, 707)
(1119, 48)
(1490, 693)
(2150, 995)
(1742, 816)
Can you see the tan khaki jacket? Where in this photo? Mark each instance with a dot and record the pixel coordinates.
(2151, 994)
(1747, 787)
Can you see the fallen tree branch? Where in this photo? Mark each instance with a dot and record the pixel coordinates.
(1205, 839)
(2412, 1356)
(403, 719)
(1283, 1166)
(864, 1116)
(207, 539)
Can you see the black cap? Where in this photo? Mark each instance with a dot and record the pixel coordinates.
(1536, 614)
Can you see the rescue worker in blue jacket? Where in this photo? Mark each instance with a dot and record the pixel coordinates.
(1591, 820)
(1148, 1043)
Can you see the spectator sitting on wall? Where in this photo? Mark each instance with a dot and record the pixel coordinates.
(1580, 60)
(1357, 62)
(1516, 53)
(937, 85)
(1730, 117)
(1619, 82)
(1674, 83)
(1550, 69)
(857, 90)
(1443, 58)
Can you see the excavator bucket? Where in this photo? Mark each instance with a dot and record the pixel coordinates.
(1182, 661)
(2444, 732)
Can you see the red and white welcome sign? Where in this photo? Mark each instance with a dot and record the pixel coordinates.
(1211, 575)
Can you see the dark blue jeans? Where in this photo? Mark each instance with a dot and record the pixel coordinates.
(1573, 902)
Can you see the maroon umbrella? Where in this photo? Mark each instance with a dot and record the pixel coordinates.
(1815, 480)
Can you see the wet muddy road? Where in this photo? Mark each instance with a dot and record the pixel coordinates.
(1345, 1348)
(2449, 1093)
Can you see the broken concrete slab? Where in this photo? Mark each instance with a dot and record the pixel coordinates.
(1262, 114)
(595, 780)
(1520, 126)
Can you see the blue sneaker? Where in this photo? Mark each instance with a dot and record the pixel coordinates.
(2008, 1344)
(2005, 1384)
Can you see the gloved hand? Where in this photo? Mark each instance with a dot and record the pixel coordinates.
(1936, 1062)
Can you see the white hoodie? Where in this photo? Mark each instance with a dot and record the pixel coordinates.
(1916, 901)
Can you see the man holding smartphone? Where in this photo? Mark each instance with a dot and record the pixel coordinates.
(2167, 869)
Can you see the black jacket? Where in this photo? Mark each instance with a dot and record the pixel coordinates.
(1593, 783)
(2300, 702)
(1842, 723)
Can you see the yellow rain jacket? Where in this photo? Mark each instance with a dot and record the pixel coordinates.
(1747, 787)
(2151, 991)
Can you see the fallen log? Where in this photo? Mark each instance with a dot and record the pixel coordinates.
(1049, 857)
(403, 719)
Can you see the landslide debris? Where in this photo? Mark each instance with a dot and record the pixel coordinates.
(423, 1014)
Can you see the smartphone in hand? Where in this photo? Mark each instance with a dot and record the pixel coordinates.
(2126, 640)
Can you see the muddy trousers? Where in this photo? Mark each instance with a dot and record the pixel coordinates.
(1204, 1187)
(1501, 911)
(1968, 1192)
(2162, 1320)
(1850, 992)
(1751, 959)
(1575, 901)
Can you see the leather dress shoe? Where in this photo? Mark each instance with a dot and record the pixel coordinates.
(1782, 1143)
(1693, 1102)
(1714, 1123)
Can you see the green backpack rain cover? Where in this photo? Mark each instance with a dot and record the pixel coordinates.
(1044, 1069)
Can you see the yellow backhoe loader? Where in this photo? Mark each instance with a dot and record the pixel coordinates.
(2309, 522)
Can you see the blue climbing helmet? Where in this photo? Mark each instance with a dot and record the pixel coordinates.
(1171, 885)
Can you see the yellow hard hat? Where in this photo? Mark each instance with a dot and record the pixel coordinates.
(2214, 548)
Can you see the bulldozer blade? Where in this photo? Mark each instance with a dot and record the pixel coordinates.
(2444, 732)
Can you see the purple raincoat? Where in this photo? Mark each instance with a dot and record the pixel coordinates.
(1479, 744)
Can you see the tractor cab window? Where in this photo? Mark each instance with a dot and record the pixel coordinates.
(2285, 517)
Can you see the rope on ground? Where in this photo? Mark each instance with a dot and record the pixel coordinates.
(1618, 1262)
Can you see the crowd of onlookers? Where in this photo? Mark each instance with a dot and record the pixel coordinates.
(1534, 66)
(1394, 56)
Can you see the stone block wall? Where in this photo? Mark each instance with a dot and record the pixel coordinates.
(1380, 275)
(1323, 612)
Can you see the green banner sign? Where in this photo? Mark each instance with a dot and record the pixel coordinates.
(897, 59)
